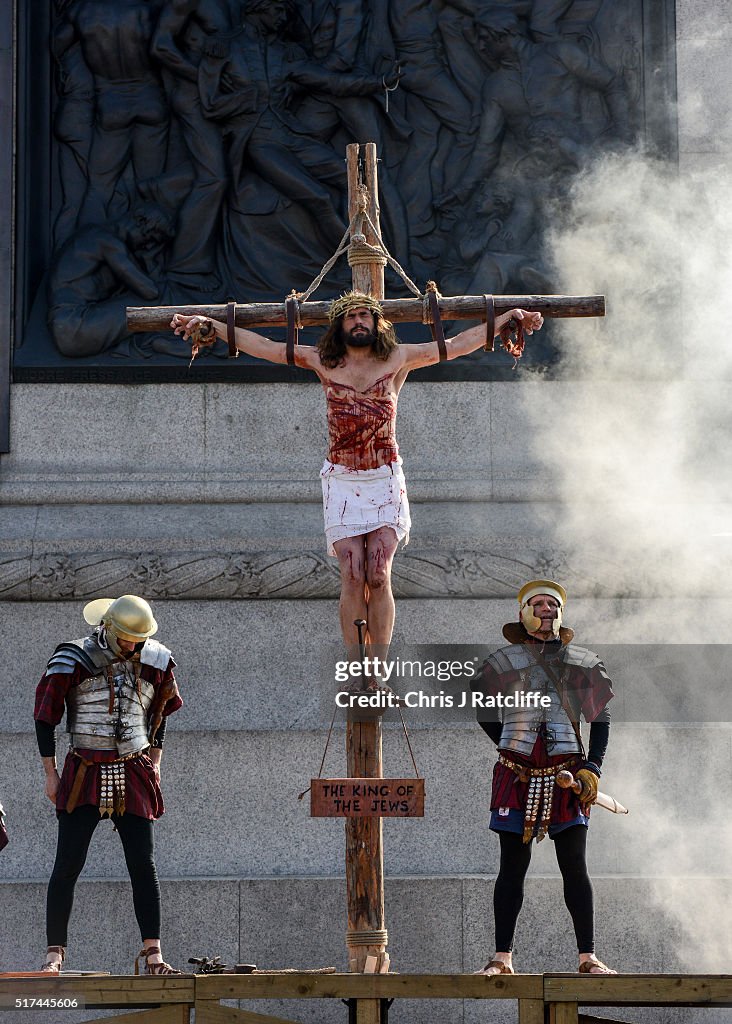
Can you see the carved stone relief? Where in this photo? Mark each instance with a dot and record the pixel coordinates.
(197, 148)
(218, 575)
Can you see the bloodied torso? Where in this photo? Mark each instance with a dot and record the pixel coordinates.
(362, 424)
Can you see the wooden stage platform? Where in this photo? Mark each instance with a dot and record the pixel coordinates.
(540, 998)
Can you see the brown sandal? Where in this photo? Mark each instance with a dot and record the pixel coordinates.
(502, 968)
(51, 966)
(161, 968)
(586, 968)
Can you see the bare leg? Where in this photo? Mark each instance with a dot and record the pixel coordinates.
(351, 554)
(381, 546)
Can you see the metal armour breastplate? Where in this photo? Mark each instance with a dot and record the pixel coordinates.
(520, 725)
(89, 721)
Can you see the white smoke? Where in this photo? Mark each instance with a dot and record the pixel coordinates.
(636, 432)
(635, 439)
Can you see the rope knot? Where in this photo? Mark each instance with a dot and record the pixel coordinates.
(361, 252)
(294, 297)
(427, 317)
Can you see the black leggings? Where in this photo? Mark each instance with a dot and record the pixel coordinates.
(74, 835)
(508, 894)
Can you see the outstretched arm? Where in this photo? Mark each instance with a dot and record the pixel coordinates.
(246, 341)
(467, 341)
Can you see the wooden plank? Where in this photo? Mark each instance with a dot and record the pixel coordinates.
(112, 990)
(364, 851)
(366, 915)
(371, 174)
(374, 986)
(360, 274)
(640, 989)
(368, 1011)
(563, 1013)
(162, 1015)
(212, 1012)
(531, 1011)
(456, 307)
(367, 798)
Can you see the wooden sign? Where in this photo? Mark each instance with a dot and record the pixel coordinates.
(367, 798)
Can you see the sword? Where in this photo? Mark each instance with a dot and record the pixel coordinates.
(566, 780)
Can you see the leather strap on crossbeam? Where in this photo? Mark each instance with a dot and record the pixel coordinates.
(292, 312)
(231, 329)
(490, 322)
(438, 331)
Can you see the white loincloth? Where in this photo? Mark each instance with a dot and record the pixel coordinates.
(358, 501)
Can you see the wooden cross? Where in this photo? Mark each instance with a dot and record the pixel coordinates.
(366, 936)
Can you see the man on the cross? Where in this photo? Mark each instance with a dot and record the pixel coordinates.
(362, 368)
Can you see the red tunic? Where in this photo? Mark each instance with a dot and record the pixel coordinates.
(509, 791)
(142, 788)
(361, 424)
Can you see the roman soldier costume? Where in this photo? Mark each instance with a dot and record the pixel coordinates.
(536, 740)
(117, 688)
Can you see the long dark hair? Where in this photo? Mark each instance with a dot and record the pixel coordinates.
(332, 347)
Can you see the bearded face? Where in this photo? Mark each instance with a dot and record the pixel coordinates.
(358, 337)
(358, 328)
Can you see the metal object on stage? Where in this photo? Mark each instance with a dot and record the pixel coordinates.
(215, 965)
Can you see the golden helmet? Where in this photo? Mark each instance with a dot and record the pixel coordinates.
(532, 589)
(127, 617)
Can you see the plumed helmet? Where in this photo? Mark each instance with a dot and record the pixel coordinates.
(127, 617)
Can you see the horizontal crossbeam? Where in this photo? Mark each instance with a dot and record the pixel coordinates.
(455, 307)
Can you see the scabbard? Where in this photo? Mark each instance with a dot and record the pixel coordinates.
(610, 804)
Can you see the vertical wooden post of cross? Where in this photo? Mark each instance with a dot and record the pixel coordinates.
(366, 936)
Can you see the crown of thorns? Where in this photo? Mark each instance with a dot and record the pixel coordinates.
(353, 300)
